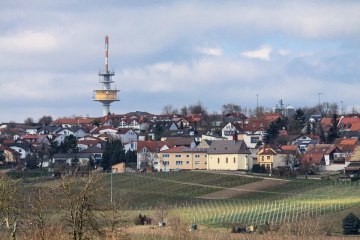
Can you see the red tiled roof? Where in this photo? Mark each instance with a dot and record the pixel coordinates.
(348, 141)
(355, 127)
(316, 153)
(73, 121)
(289, 147)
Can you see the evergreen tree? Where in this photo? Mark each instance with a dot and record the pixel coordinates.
(114, 153)
(105, 161)
(32, 161)
(272, 132)
(334, 130)
(298, 121)
(351, 224)
(69, 145)
(2, 156)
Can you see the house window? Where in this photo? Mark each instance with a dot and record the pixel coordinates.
(262, 158)
(227, 160)
(187, 156)
(197, 162)
(234, 160)
(166, 162)
(165, 155)
(218, 160)
(268, 157)
(179, 163)
(205, 162)
(267, 165)
(178, 155)
(187, 162)
(197, 155)
(254, 139)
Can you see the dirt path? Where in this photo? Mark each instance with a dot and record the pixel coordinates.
(244, 189)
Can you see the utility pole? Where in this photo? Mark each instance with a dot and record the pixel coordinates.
(111, 186)
(257, 104)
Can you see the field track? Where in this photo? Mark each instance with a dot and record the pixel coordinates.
(244, 189)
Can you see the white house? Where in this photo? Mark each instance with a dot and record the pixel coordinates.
(127, 135)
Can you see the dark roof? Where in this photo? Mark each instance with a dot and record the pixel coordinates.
(72, 155)
(228, 147)
(92, 149)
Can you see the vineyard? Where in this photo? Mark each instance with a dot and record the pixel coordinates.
(290, 201)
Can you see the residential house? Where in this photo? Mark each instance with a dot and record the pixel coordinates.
(127, 135)
(23, 148)
(160, 128)
(9, 154)
(148, 153)
(324, 156)
(62, 159)
(253, 132)
(229, 155)
(204, 144)
(31, 129)
(64, 131)
(230, 131)
(86, 142)
(236, 117)
(95, 152)
(79, 132)
(352, 168)
(180, 141)
(305, 141)
(183, 158)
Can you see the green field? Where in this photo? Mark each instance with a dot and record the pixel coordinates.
(290, 202)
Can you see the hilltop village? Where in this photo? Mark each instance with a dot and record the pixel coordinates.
(284, 142)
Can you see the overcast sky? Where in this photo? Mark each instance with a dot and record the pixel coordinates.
(176, 52)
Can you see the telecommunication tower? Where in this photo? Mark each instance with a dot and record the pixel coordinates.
(107, 95)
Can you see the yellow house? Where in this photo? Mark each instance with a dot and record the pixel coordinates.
(229, 155)
(183, 158)
(266, 157)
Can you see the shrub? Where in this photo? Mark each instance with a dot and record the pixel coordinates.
(258, 169)
(351, 224)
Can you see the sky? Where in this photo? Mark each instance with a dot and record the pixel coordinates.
(178, 53)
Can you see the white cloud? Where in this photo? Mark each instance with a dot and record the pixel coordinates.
(28, 41)
(284, 52)
(211, 51)
(262, 53)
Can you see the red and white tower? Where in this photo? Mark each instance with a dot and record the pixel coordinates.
(107, 95)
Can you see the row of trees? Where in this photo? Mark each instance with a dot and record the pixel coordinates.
(325, 109)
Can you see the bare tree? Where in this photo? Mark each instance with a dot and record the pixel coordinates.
(10, 206)
(45, 120)
(29, 121)
(78, 195)
(116, 219)
(230, 108)
(170, 109)
(39, 201)
(198, 108)
(184, 111)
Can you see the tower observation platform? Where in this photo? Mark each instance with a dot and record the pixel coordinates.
(106, 95)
